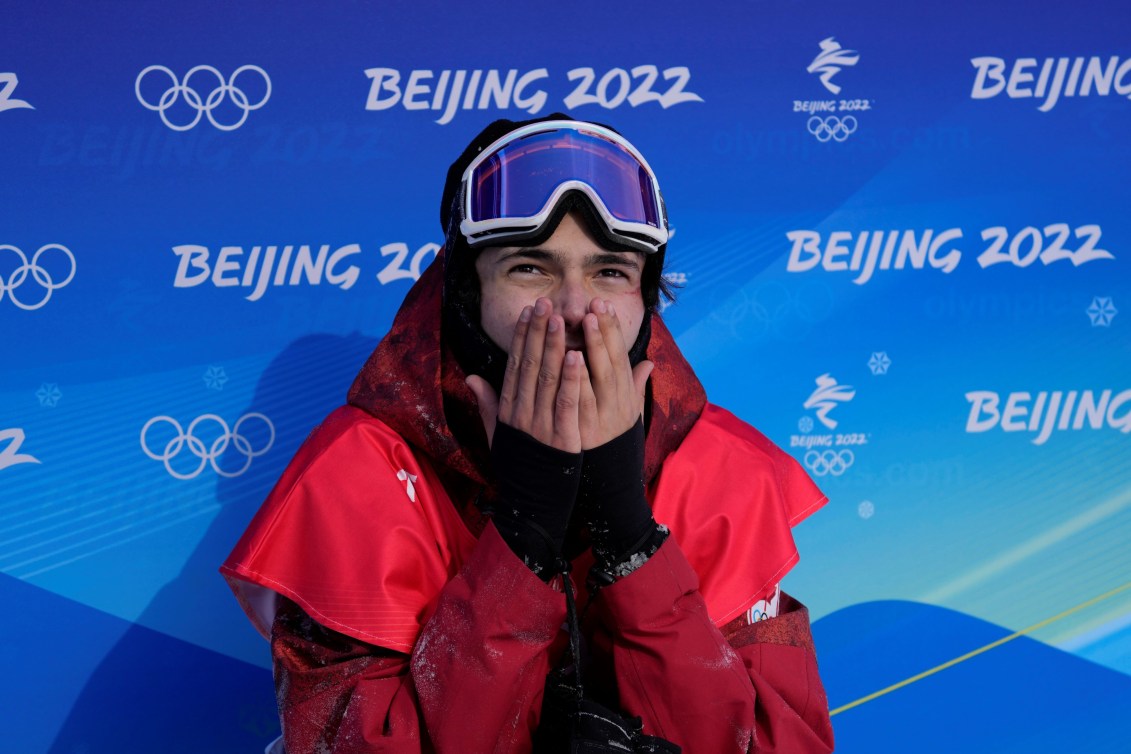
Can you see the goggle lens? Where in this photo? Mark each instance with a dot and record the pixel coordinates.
(519, 178)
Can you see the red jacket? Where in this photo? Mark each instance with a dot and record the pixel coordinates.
(428, 634)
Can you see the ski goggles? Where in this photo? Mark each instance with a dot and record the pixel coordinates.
(513, 186)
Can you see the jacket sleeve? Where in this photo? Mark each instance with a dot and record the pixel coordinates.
(755, 690)
(474, 680)
(337, 694)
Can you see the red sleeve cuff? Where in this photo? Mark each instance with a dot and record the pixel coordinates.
(790, 627)
(646, 596)
(501, 584)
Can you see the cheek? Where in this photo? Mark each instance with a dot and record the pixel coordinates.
(630, 308)
(498, 314)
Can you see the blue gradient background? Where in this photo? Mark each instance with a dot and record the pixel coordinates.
(122, 636)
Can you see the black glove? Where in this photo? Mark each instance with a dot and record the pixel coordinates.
(537, 491)
(612, 501)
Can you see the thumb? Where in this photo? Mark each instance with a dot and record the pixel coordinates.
(487, 401)
(640, 374)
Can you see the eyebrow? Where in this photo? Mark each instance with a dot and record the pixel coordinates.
(621, 259)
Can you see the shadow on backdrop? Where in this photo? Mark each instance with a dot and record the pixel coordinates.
(153, 692)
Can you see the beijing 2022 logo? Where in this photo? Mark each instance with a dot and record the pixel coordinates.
(206, 101)
(208, 441)
(831, 453)
(10, 454)
(8, 82)
(832, 120)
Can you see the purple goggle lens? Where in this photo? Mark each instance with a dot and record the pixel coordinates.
(513, 187)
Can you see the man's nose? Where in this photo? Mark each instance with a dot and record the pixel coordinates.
(572, 303)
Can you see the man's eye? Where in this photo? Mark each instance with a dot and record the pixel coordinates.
(613, 273)
(524, 268)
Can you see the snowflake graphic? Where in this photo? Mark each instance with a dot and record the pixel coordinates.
(805, 424)
(1102, 311)
(879, 363)
(49, 395)
(866, 509)
(215, 377)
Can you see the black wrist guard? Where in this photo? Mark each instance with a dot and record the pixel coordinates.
(537, 491)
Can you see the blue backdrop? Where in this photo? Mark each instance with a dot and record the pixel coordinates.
(903, 244)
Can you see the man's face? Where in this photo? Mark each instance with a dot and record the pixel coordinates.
(570, 269)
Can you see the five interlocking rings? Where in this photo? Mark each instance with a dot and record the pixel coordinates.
(822, 462)
(832, 127)
(206, 105)
(210, 454)
(37, 273)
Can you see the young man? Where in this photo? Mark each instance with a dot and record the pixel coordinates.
(527, 416)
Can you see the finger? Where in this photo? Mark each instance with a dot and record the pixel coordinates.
(567, 431)
(615, 326)
(640, 374)
(587, 419)
(597, 353)
(549, 378)
(613, 334)
(529, 365)
(487, 402)
(514, 357)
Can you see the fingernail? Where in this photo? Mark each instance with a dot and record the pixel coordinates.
(600, 307)
(540, 307)
(553, 325)
(571, 358)
(525, 315)
(612, 309)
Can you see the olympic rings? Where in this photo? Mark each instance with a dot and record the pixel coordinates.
(832, 127)
(206, 105)
(746, 316)
(771, 308)
(822, 462)
(37, 272)
(209, 454)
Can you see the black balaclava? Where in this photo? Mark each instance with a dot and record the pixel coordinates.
(472, 347)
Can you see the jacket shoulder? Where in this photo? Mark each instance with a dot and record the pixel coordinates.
(358, 531)
(797, 488)
(731, 497)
